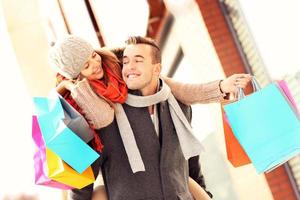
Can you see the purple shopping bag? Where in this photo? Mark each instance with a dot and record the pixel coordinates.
(40, 165)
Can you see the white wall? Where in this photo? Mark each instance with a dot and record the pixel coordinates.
(16, 146)
(275, 28)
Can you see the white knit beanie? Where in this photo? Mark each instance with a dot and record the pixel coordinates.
(69, 54)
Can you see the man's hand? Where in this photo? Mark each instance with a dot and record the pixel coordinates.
(233, 82)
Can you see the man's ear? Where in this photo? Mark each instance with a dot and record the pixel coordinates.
(157, 68)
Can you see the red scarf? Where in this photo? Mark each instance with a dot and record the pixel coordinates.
(114, 92)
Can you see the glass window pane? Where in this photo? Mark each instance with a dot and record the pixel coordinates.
(118, 19)
(79, 21)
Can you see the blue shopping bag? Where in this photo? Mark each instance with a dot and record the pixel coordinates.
(267, 126)
(58, 137)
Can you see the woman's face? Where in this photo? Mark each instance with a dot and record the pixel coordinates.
(92, 69)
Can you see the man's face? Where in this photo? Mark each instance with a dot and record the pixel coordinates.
(138, 71)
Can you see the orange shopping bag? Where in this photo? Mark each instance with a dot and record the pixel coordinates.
(235, 152)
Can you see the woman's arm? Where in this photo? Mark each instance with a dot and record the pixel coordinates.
(95, 109)
(211, 92)
(197, 191)
(190, 94)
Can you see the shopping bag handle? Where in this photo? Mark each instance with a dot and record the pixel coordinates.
(256, 87)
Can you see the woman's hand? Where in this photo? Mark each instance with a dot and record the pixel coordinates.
(69, 85)
(197, 191)
(233, 82)
(65, 85)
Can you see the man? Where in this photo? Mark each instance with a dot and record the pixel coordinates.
(149, 151)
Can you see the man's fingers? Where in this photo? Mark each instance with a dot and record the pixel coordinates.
(243, 75)
(242, 83)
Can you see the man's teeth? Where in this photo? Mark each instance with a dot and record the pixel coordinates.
(132, 76)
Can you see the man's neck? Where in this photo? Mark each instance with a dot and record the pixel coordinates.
(150, 90)
(147, 92)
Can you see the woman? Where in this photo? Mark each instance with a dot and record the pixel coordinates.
(84, 75)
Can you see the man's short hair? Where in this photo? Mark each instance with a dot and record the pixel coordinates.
(156, 54)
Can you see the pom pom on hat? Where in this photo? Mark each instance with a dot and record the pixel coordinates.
(69, 54)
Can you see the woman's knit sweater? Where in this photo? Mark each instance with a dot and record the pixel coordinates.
(100, 114)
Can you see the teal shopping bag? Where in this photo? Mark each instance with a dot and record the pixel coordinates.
(267, 126)
(59, 137)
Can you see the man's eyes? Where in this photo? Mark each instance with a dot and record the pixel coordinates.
(126, 62)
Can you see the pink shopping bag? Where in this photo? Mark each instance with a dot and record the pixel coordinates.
(40, 165)
(284, 88)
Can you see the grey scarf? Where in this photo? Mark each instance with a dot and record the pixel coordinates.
(190, 146)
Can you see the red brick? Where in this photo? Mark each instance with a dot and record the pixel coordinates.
(280, 185)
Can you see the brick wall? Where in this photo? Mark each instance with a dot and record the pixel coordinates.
(280, 185)
(221, 37)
